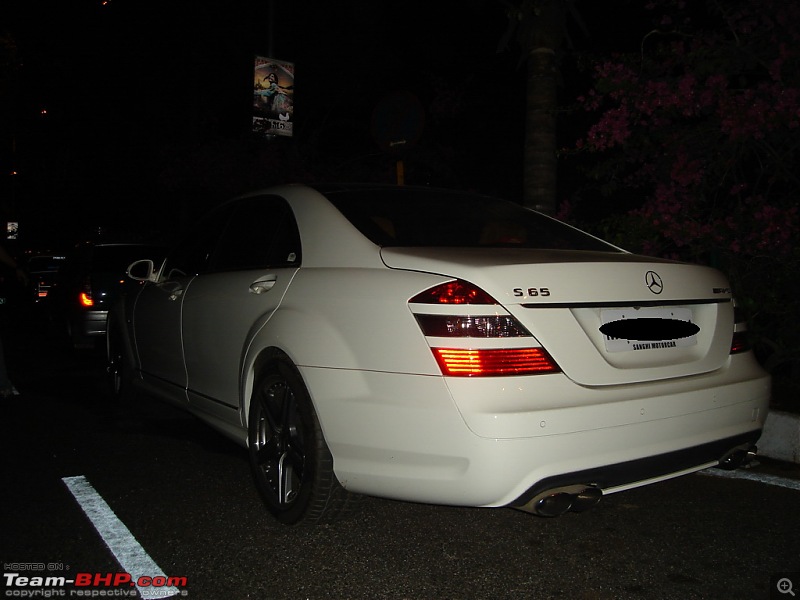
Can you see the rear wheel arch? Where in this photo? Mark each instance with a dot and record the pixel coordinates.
(290, 461)
(266, 359)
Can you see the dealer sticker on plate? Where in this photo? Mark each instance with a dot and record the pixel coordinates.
(672, 319)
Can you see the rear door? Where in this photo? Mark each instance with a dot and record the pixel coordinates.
(248, 274)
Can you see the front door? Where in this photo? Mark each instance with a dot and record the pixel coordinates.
(159, 306)
(158, 334)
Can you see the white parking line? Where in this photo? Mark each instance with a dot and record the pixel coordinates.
(762, 477)
(129, 554)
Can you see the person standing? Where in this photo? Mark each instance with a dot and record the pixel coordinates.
(7, 389)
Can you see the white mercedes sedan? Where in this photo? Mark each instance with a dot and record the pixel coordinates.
(440, 347)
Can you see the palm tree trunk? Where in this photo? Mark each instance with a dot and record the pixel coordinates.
(540, 166)
(546, 26)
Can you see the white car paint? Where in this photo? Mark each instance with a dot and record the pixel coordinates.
(395, 425)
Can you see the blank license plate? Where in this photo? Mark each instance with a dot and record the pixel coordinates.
(621, 345)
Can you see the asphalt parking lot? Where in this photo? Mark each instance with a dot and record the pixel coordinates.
(184, 495)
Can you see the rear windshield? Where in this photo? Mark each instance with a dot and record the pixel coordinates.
(45, 264)
(420, 217)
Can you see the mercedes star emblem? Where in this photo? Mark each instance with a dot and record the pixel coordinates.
(653, 282)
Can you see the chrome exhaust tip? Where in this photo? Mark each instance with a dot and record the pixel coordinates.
(553, 505)
(586, 499)
(557, 501)
(738, 457)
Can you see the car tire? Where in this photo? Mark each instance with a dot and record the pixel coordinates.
(289, 459)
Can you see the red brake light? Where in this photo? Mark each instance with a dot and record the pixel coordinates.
(740, 343)
(86, 299)
(477, 362)
(488, 362)
(453, 292)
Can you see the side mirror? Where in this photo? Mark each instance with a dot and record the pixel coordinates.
(142, 270)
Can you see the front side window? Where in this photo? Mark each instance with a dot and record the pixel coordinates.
(191, 255)
(115, 258)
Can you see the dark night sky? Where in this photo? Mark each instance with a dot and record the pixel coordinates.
(135, 90)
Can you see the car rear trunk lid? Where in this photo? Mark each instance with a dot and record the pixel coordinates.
(564, 298)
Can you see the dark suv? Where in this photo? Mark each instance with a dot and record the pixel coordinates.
(43, 271)
(92, 277)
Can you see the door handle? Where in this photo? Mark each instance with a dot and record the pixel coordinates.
(174, 289)
(259, 286)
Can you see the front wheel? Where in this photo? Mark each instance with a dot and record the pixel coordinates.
(289, 459)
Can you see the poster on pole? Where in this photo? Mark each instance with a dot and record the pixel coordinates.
(273, 97)
(12, 230)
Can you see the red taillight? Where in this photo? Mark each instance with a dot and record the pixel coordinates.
(469, 326)
(86, 299)
(497, 361)
(740, 343)
(494, 324)
(453, 292)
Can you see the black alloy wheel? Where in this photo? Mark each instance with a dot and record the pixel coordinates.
(290, 462)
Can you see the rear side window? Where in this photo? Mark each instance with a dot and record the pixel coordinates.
(426, 217)
(261, 232)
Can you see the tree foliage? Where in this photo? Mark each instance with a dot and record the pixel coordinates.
(703, 124)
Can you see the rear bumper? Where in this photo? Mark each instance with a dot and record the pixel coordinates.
(621, 476)
(90, 323)
(86, 328)
(420, 438)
